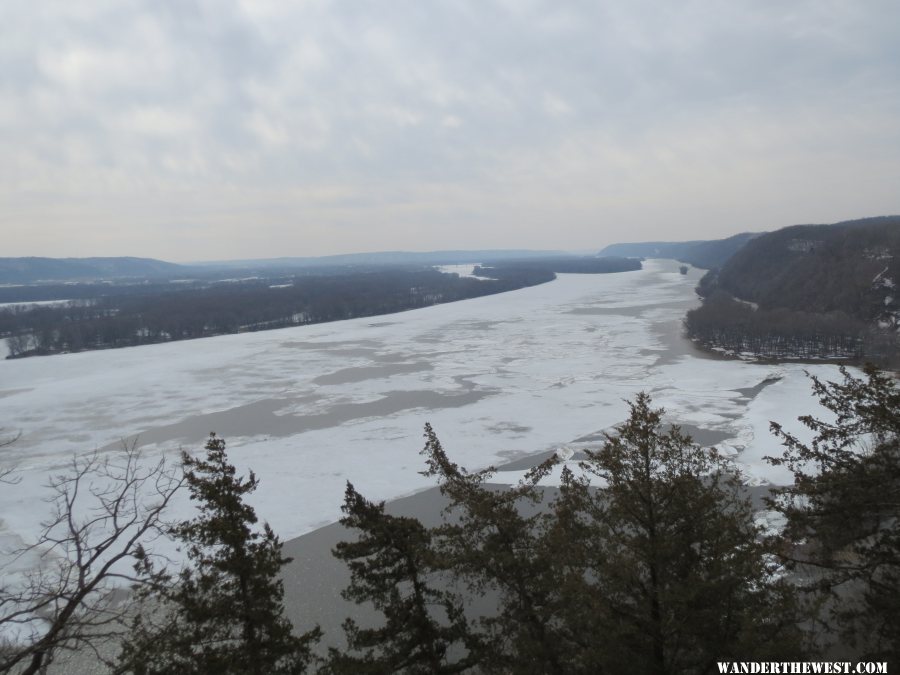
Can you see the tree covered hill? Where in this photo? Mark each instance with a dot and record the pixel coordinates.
(850, 267)
(129, 313)
(707, 254)
(32, 269)
(807, 291)
(379, 258)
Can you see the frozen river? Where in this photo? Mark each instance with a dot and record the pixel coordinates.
(308, 408)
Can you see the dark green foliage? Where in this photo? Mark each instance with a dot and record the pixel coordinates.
(656, 569)
(492, 542)
(223, 613)
(844, 506)
(673, 558)
(393, 565)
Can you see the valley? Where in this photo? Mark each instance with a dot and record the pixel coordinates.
(307, 408)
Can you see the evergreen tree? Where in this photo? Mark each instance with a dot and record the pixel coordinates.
(392, 565)
(223, 613)
(844, 507)
(575, 603)
(675, 576)
(491, 539)
(655, 568)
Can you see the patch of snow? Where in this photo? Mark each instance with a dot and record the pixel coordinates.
(881, 281)
(771, 523)
(726, 450)
(565, 453)
(462, 271)
(752, 305)
(38, 303)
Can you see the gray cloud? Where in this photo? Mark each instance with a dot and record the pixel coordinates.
(187, 129)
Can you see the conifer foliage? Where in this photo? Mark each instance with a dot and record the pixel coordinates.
(222, 613)
(491, 542)
(673, 561)
(393, 564)
(843, 510)
(654, 567)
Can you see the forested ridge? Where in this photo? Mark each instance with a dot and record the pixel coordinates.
(31, 269)
(103, 316)
(706, 254)
(807, 291)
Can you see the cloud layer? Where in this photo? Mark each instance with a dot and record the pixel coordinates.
(189, 129)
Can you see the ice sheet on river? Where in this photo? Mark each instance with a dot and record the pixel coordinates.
(309, 408)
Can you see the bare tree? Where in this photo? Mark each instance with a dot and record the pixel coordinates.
(105, 510)
(18, 344)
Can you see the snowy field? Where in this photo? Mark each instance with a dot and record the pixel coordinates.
(461, 270)
(311, 407)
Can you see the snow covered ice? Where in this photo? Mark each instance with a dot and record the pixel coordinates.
(311, 407)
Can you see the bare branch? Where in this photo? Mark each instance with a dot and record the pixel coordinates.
(106, 509)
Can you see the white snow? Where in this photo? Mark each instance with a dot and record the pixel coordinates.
(565, 453)
(311, 407)
(461, 270)
(770, 522)
(31, 304)
(882, 281)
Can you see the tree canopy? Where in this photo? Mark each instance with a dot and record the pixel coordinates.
(649, 562)
(223, 613)
(843, 510)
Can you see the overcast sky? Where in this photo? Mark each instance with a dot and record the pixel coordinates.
(187, 130)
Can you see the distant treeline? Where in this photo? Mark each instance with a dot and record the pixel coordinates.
(736, 327)
(109, 316)
(807, 292)
(123, 320)
(706, 254)
(565, 265)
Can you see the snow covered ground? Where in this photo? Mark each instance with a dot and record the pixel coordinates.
(311, 407)
(34, 303)
(461, 270)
